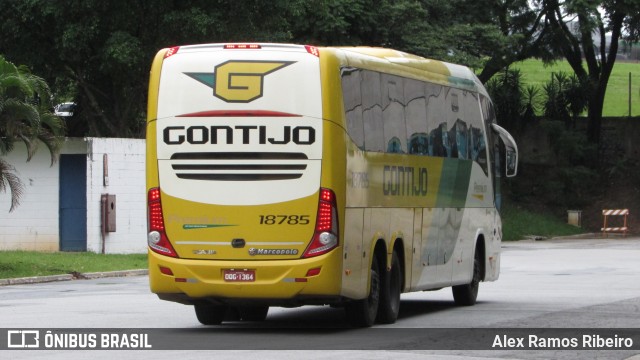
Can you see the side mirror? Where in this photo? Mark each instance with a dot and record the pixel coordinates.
(511, 150)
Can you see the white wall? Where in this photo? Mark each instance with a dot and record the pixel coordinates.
(34, 225)
(126, 170)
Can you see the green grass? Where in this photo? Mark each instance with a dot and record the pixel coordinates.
(518, 224)
(616, 102)
(14, 264)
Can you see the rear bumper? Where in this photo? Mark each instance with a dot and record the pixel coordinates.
(277, 282)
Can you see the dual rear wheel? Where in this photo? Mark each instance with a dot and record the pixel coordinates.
(383, 303)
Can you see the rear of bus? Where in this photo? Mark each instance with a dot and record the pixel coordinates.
(238, 211)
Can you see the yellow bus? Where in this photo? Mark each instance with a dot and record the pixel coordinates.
(290, 175)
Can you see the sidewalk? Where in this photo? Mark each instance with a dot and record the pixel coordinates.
(74, 276)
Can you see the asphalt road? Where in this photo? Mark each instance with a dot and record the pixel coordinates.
(590, 285)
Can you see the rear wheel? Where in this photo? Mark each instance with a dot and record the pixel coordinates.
(466, 295)
(362, 313)
(390, 289)
(210, 314)
(253, 313)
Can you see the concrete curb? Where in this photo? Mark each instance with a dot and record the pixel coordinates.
(585, 236)
(74, 276)
(98, 275)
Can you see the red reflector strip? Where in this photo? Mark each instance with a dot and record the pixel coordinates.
(166, 271)
(312, 50)
(186, 280)
(239, 113)
(171, 51)
(243, 46)
(313, 272)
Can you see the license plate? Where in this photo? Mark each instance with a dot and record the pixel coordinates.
(232, 275)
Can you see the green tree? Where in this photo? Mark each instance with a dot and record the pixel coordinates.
(566, 99)
(483, 35)
(579, 31)
(25, 115)
(516, 104)
(519, 31)
(98, 53)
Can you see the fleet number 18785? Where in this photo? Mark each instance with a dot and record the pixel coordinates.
(284, 219)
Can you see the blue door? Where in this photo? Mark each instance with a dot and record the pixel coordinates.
(73, 202)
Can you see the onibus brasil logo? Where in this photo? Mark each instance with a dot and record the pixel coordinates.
(239, 81)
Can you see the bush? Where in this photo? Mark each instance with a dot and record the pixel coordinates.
(568, 179)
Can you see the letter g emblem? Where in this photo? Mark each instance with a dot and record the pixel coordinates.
(242, 81)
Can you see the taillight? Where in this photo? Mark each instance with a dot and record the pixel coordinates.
(171, 51)
(243, 46)
(157, 237)
(325, 236)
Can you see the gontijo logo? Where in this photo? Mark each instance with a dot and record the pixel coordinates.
(239, 81)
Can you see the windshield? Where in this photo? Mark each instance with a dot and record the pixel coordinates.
(66, 107)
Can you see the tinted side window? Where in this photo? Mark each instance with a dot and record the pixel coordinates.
(436, 117)
(480, 147)
(416, 117)
(372, 111)
(388, 113)
(395, 131)
(351, 79)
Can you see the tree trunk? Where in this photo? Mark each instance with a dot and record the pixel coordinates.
(596, 104)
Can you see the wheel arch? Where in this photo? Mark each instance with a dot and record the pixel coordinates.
(480, 246)
(377, 251)
(398, 247)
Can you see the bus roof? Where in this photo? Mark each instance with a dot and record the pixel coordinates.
(456, 75)
(408, 64)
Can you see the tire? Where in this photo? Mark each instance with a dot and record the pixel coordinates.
(390, 289)
(209, 314)
(466, 295)
(362, 313)
(253, 313)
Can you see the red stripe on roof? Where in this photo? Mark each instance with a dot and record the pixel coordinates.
(239, 113)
